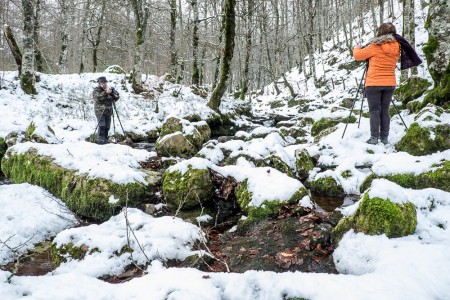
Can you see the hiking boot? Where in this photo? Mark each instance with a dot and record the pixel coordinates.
(101, 141)
(373, 140)
(384, 140)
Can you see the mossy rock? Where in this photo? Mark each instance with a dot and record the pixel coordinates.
(324, 133)
(423, 140)
(188, 190)
(88, 197)
(204, 130)
(376, 216)
(176, 145)
(304, 164)
(430, 109)
(326, 186)
(277, 104)
(294, 102)
(231, 160)
(347, 102)
(413, 88)
(306, 121)
(322, 124)
(171, 125)
(114, 69)
(268, 208)
(295, 132)
(325, 123)
(277, 163)
(438, 178)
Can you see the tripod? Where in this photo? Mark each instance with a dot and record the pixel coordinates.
(114, 123)
(360, 88)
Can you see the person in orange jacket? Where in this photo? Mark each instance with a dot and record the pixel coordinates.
(383, 53)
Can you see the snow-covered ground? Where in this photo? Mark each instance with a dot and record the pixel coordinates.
(371, 267)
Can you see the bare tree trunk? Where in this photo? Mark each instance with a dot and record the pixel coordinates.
(27, 78)
(86, 8)
(408, 32)
(195, 70)
(173, 27)
(141, 14)
(39, 59)
(15, 50)
(248, 48)
(230, 32)
(63, 59)
(381, 3)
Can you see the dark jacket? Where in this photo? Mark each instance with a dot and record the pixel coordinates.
(103, 101)
(408, 56)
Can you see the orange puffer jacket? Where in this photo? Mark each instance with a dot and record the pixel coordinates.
(383, 53)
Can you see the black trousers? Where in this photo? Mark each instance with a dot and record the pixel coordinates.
(379, 99)
(104, 124)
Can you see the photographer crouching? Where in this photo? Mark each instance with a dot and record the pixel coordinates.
(104, 98)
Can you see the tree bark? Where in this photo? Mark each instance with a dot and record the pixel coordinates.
(27, 77)
(86, 9)
(39, 58)
(141, 14)
(173, 27)
(15, 50)
(195, 79)
(230, 32)
(63, 59)
(248, 48)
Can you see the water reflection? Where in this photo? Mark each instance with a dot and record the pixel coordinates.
(329, 204)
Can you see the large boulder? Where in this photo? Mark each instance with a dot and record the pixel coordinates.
(188, 189)
(182, 138)
(95, 198)
(376, 216)
(420, 140)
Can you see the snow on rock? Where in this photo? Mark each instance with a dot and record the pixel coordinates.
(28, 215)
(118, 163)
(161, 238)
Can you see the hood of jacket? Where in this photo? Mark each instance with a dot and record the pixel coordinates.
(387, 43)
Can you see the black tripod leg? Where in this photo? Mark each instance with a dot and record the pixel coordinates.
(398, 112)
(360, 112)
(117, 114)
(354, 102)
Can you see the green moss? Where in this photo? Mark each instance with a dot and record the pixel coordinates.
(171, 125)
(294, 132)
(376, 216)
(188, 190)
(306, 121)
(278, 164)
(322, 124)
(412, 89)
(277, 104)
(438, 178)
(232, 160)
(85, 196)
(440, 95)
(304, 164)
(346, 174)
(418, 140)
(324, 133)
(429, 49)
(267, 208)
(294, 102)
(27, 84)
(59, 254)
(326, 186)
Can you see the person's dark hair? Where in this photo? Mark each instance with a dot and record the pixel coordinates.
(386, 28)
